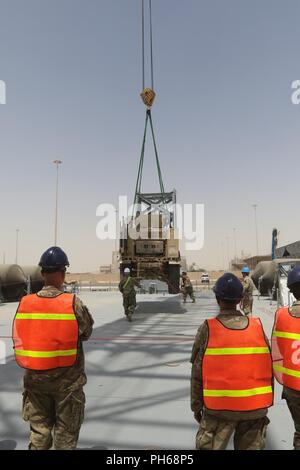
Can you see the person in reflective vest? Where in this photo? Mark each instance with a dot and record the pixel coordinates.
(286, 351)
(127, 288)
(48, 331)
(232, 382)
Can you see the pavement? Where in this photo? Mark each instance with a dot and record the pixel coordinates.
(138, 390)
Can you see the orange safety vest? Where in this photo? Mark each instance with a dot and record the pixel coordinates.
(237, 368)
(45, 332)
(286, 349)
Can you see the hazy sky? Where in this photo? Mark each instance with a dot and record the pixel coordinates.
(227, 131)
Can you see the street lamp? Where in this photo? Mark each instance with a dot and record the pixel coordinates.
(17, 245)
(256, 231)
(117, 230)
(223, 256)
(227, 250)
(234, 240)
(57, 163)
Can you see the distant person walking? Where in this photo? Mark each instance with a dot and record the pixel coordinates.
(248, 288)
(127, 288)
(48, 331)
(187, 288)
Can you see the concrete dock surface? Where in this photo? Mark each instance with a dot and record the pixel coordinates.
(138, 390)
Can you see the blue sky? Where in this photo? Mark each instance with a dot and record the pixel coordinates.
(226, 128)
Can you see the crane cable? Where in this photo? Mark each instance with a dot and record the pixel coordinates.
(151, 44)
(148, 96)
(143, 44)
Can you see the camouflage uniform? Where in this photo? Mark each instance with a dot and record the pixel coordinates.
(187, 288)
(127, 288)
(54, 400)
(292, 397)
(216, 427)
(247, 300)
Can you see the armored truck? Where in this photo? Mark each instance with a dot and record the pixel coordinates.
(149, 244)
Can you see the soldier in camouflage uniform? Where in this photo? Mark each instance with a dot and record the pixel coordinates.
(216, 427)
(248, 288)
(53, 400)
(187, 288)
(127, 288)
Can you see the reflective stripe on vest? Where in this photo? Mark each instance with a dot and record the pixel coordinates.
(45, 316)
(233, 351)
(45, 332)
(285, 370)
(65, 352)
(237, 393)
(237, 368)
(286, 349)
(285, 334)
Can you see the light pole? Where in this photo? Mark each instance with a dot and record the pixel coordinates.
(234, 240)
(227, 250)
(17, 245)
(57, 163)
(223, 256)
(256, 231)
(117, 230)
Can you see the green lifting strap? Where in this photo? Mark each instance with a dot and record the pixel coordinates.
(127, 281)
(141, 164)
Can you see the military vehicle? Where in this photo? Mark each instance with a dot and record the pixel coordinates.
(12, 282)
(34, 278)
(149, 244)
(264, 276)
